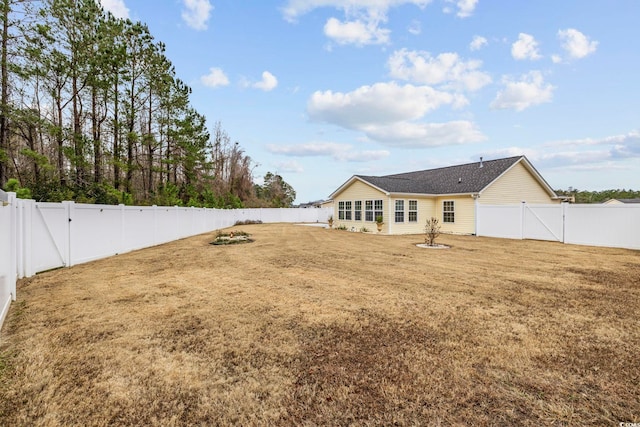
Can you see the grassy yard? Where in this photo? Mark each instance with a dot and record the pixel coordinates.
(308, 326)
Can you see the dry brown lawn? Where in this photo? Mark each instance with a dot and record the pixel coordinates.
(308, 326)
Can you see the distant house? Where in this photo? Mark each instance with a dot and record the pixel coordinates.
(308, 205)
(327, 204)
(451, 194)
(621, 201)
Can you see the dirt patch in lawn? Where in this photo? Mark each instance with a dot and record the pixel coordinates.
(311, 326)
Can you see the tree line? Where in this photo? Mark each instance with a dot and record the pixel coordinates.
(91, 110)
(583, 196)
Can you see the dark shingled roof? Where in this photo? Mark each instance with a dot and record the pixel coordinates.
(469, 178)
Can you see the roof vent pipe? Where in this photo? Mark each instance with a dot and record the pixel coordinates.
(481, 162)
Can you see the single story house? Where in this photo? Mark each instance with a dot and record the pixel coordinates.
(452, 194)
(621, 201)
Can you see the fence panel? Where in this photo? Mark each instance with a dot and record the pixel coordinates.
(95, 232)
(47, 246)
(7, 267)
(615, 226)
(503, 221)
(543, 222)
(139, 227)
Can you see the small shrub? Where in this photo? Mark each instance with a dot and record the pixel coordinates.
(364, 230)
(248, 222)
(431, 231)
(341, 227)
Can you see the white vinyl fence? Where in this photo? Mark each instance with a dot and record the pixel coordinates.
(7, 254)
(615, 226)
(38, 236)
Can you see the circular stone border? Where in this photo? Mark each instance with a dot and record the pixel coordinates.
(235, 240)
(425, 246)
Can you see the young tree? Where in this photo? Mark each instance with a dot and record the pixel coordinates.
(431, 231)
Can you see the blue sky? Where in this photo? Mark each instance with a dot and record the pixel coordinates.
(320, 90)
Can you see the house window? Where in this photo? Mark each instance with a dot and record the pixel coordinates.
(413, 211)
(357, 210)
(448, 211)
(347, 211)
(341, 210)
(368, 210)
(377, 211)
(399, 210)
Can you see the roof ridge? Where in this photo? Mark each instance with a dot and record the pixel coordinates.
(383, 176)
(452, 166)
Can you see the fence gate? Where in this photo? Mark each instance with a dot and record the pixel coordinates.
(543, 222)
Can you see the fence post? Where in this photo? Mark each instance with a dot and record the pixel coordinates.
(523, 205)
(122, 228)
(177, 224)
(18, 247)
(13, 230)
(155, 224)
(69, 208)
(27, 239)
(565, 208)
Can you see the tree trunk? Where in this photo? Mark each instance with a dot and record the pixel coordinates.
(77, 131)
(59, 138)
(95, 130)
(116, 136)
(150, 148)
(4, 100)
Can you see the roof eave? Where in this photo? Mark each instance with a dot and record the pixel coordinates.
(467, 193)
(394, 194)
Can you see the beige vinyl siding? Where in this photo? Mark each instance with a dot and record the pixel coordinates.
(465, 211)
(426, 209)
(360, 191)
(514, 186)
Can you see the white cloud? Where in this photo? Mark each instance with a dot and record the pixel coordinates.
(363, 18)
(465, 7)
(297, 8)
(576, 44)
(521, 94)
(356, 32)
(415, 28)
(422, 135)
(116, 7)
(196, 13)
(620, 146)
(446, 68)
(290, 166)
(582, 155)
(339, 152)
(525, 48)
(381, 103)
(215, 78)
(478, 43)
(392, 114)
(268, 82)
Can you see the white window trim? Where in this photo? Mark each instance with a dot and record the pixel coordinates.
(453, 211)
